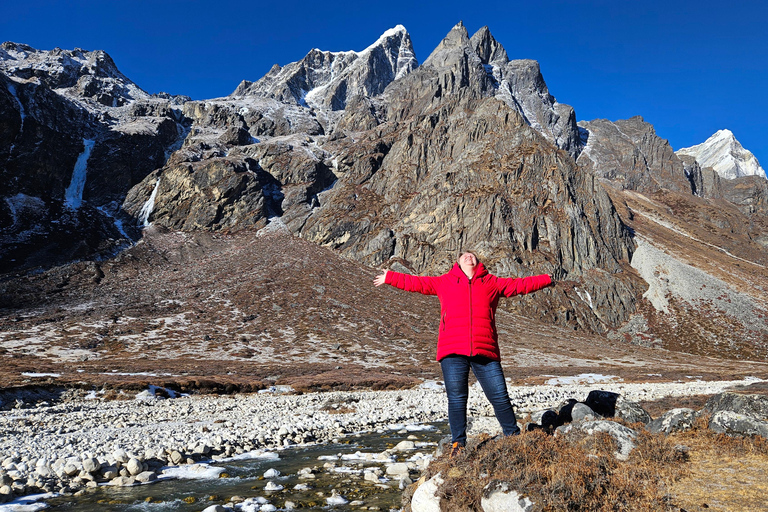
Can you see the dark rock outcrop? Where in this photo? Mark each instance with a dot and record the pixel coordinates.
(212, 194)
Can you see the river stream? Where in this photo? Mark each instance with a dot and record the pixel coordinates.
(338, 482)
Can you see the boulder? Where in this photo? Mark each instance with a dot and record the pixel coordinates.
(122, 481)
(404, 446)
(176, 457)
(71, 470)
(675, 420)
(580, 412)
(733, 423)
(398, 468)
(498, 496)
(146, 476)
(134, 466)
(631, 412)
(624, 436)
(755, 406)
(91, 465)
(424, 499)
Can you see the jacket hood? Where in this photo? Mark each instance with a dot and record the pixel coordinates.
(480, 271)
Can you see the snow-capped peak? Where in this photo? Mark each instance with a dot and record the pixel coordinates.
(725, 155)
(398, 30)
(325, 80)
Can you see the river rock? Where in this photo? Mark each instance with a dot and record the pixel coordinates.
(176, 457)
(146, 476)
(122, 481)
(215, 508)
(424, 498)
(498, 496)
(404, 446)
(674, 420)
(272, 486)
(134, 467)
(121, 456)
(398, 468)
(91, 465)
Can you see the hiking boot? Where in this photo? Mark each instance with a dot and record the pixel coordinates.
(456, 449)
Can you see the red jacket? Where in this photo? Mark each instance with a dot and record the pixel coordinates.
(468, 307)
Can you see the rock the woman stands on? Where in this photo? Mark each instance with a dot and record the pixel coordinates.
(467, 338)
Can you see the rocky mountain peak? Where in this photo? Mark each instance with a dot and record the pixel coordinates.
(457, 39)
(80, 74)
(328, 80)
(725, 155)
(487, 48)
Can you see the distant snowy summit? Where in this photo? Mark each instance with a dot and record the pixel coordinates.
(725, 155)
(327, 80)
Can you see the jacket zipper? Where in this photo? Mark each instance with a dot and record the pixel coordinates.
(471, 344)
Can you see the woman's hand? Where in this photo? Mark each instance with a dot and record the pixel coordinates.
(558, 274)
(381, 278)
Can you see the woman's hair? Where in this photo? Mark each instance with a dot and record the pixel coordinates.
(458, 257)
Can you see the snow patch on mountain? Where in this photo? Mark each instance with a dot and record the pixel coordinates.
(725, 155)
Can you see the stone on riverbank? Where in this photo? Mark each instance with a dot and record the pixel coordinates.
(91, 465)
(425, 498)
(134, 467)
(146, 476)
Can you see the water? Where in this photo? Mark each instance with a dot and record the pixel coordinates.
(244, 478)
(73, 196)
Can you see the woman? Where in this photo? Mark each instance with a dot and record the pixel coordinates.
(467, 338)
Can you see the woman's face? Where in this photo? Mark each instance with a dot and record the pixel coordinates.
(468, 260)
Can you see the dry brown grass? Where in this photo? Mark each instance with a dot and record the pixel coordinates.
(725, 473)
(692, 471)
(558, 474)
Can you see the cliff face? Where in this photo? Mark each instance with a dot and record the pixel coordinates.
(75, 136)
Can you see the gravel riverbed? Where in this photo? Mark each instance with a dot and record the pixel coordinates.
(78, 443)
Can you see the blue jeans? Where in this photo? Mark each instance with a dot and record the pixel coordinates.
(491, 378)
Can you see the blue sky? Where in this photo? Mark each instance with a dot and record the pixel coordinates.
(688, 67)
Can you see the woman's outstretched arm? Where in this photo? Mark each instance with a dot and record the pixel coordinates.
(419, 284)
